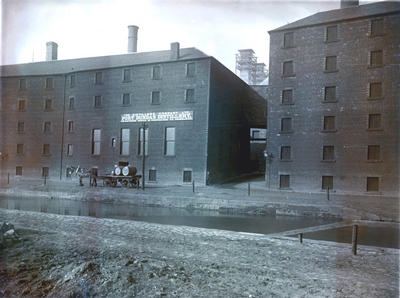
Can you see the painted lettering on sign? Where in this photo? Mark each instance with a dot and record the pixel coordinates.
(159, 116)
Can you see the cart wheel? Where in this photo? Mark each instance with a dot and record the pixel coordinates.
(114, 183)
(124, 182)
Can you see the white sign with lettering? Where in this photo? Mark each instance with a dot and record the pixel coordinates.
(159, 116)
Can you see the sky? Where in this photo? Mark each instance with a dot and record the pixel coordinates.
(87, 28)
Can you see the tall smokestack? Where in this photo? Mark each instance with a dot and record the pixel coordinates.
(51, 51)
(348, 3)
(132, 38)
(174, 50)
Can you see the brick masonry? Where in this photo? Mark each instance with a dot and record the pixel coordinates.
(351, 137)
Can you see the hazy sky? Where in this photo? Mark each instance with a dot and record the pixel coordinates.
(86, 28)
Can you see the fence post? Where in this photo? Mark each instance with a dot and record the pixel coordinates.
(327, 192)
(301, 237)
(193, 185)
(248, 189)
(354, 239)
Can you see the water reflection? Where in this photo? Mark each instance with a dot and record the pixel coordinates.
(200, 218)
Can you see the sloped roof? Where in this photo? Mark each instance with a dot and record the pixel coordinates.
(337, 15)
(91, 63)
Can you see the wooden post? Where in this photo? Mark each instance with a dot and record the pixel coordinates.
(354, 239)
(45, 179)
(193, 185)
(327, 192)
(301, 237)
(248, 189)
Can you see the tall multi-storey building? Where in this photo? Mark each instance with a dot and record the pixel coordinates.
(90, 112)
(333, 105)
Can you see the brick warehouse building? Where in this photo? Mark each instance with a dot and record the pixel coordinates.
(333, 110)
(89, 112)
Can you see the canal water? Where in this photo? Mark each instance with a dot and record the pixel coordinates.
(268, 224)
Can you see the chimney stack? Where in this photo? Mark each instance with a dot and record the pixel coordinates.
(132, 38)
(175, 51)
(348, 3)
(51, 51)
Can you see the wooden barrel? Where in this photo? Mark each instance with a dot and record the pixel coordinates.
(129, 171)
(117, 171)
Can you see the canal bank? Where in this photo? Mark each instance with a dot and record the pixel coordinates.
(250, 198)
(72, 256)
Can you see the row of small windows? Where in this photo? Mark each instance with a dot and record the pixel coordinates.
(330, 63)
(143, 139)
(47, 127)
(374, 122)
(372, 183)
(169, 142)
(373, 153)
(45, 149)
(127, 73)
(331, 33)
(375, 91)
(45, 171)
(152, 174)
(189, 97)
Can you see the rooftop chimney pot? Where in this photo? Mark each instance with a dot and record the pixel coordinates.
(348, 3)
(132, 38)
(51, 51)
(175, 51)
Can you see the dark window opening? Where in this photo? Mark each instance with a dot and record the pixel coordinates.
(21, 127)
(152, 175)
(49, 83)
(46, 149)
(286, 124)
(372, 183)
(374, 121)
(71, 104)
(47, 127)
(328, 153)
(327, 182)
(375, 90)
(127, 75)
(331, 33)
(98, 79)
(126, 99)
(187, 176)
(331, 63)
(329, 123)
(377, 27)
(190, 69)
(45, 172)
(374, 152)
(376, 59)
(288, 69)
(18, 171)
(330, 93)
(156, 72)
(97, 101)
(285, 153)
(20, 149)
(48, 104)
(287, 97)
(288, 40)
(189, 96)
(72, 81)
(21, 105)
(155, 97)
(284, 181)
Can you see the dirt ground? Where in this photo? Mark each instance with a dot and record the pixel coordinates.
(69, 256)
